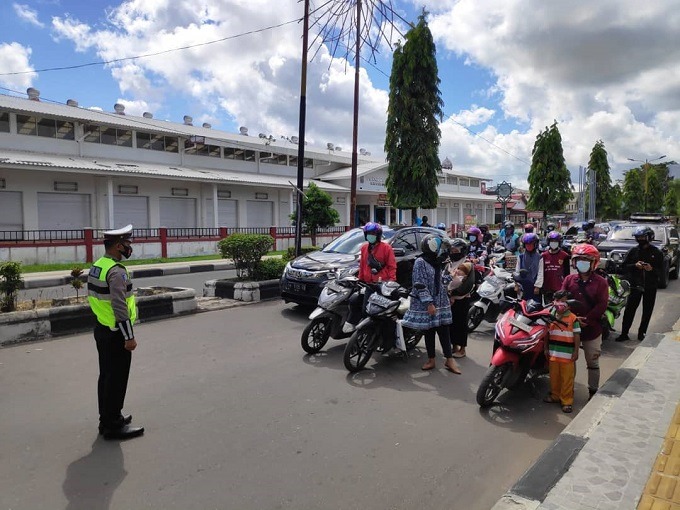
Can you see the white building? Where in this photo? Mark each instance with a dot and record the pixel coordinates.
(64, 167)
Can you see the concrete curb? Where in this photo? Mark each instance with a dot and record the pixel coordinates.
(143, 272)
(536, 483)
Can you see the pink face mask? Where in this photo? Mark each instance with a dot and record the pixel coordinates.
(560, 307)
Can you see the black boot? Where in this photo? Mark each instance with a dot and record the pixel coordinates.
(591, 393)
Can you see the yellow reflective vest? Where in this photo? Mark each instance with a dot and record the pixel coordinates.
(99, 293)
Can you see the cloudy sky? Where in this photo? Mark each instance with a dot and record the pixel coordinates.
(606, 70)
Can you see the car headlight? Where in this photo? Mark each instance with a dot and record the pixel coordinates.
(616, 257)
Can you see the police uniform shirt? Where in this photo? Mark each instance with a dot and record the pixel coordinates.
(118, 280)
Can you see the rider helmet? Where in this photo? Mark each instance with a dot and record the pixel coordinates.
(474, 234)
(586, 251)
(441, 226)
(372, 228)
(433, 245)
(550, 227)
(459, 249)
(645, 232)
(530, 240)
(588, 225)
(484, 229)
(509, 224)
(528, 228)
(554, 236)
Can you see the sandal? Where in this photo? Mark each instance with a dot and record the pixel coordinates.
(459, 354)
(550, 400)
(567, 409)
(429, 365)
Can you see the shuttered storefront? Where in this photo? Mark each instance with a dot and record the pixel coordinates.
(177, 212)
(129, 210)
(260, 213)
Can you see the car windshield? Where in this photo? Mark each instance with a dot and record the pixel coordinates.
(625, 233)
(350, 242)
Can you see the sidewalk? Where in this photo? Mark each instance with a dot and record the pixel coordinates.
(622, 451)
(55, 278)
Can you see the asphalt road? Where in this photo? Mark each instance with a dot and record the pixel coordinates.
(238, 417)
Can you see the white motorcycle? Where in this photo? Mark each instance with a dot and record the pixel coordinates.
(498, 284)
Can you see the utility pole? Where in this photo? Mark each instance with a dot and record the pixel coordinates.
(301, 133)
(355, 130)
(645, 171)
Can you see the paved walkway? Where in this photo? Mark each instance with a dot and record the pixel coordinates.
(623, 449)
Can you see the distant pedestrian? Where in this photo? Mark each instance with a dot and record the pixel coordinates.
(425, 222)
(564, 338)
(111, 299)
(430, 309)
(592, 291)
(532, 263)
(555, 266)
(643, 266)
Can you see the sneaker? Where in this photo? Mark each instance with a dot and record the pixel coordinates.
(348, 327)
(622, 337)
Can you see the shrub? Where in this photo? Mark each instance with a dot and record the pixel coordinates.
(245, 250)
(76, 282)
(269, 269)
(10, 283)
(290, 254)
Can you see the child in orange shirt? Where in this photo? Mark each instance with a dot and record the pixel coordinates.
(561, 349)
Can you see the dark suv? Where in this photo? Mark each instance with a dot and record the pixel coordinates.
(305, 276)
(620, 239)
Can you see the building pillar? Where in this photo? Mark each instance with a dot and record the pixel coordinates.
(109, 196)
(216, 215)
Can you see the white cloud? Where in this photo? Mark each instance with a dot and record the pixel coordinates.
(604, 70)
(27, 14)
(15, 56)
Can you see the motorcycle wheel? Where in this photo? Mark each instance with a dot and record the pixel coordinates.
(491, 385)
(359, 349)
(474, 318)
(412, 338)
(316, 335)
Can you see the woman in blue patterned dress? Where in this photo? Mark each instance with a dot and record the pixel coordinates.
(430, 309)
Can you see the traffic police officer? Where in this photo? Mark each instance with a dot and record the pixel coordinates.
(111, 299)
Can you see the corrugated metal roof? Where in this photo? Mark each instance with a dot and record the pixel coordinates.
(477, 197)
(99, 166)
(346, 173)
(214, 136)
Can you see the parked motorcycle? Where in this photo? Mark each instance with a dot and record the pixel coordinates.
(330, 313)
(379, 330)
(520, 338)
(496, 285)
(619, 290)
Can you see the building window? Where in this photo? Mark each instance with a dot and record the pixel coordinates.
(156, 142)
(474, 183)
(202, 149)
(27, 125)
(4, 122)
(452, 180)
(45, 127)
(464, 182)
(92, 133)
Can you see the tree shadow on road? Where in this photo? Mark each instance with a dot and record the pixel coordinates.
(92, 480)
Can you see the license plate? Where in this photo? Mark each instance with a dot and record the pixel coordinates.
(294, 287)
(520, 325)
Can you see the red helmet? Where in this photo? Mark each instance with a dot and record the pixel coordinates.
(528, 228)
(586, 251)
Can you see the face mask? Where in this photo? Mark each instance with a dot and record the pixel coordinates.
(371, 238)
(554, 246)
(583, 266)
(472, 238)
(456, 257)
(126, 251)
(560, 308)
(642, 243)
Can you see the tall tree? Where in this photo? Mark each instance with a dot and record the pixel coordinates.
(672, 199)
(614, 207)
(633, 192)
(413, 115)
(317, 211)
(549, 179)
(598, 163)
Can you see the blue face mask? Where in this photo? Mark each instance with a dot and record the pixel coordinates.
(583, 266)
(472, 239)
(371, 238)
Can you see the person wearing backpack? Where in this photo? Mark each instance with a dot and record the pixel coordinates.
(459, 289)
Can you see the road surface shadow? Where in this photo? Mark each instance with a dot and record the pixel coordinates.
(92, 480)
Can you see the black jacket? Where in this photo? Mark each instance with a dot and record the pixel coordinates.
(639, 277)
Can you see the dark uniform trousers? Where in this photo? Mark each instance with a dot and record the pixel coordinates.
(648, 297)
(114, 370)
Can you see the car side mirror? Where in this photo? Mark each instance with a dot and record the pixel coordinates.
(673, 240)
(399, 252)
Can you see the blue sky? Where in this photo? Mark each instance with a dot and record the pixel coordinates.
(604, 70)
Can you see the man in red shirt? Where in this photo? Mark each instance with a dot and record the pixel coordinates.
(555, 266)
(376, 264)
(592, 291)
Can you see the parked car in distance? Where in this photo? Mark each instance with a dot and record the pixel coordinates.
(620, 239)
(304, 277)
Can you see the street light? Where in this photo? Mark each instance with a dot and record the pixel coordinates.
(645, 170)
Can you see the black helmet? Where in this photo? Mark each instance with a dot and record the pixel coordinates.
(459, 249)
(588, 225)
(433, 244)
(645, 232)
(550, 227)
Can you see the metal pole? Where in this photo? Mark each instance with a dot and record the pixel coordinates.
(355, 132)
(301, 132)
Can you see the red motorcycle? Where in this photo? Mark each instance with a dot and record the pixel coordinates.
(519, 344)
